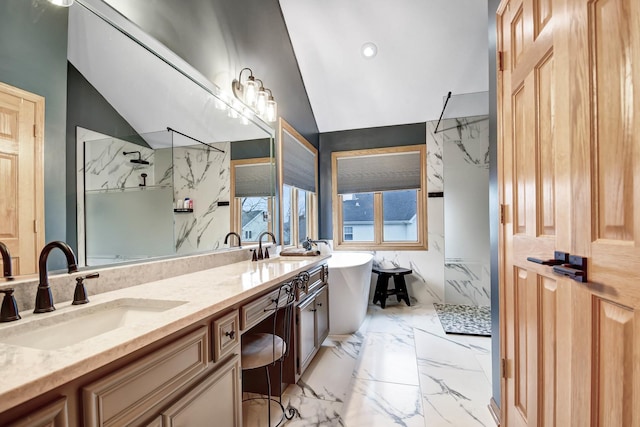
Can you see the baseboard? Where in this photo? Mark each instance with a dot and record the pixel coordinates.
(495, 411)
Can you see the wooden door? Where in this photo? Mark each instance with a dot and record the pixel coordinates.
(598, 96)
(529, 290)
(570, 178)
(21, 176)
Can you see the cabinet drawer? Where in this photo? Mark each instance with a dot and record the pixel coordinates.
(260, 308)
(123, 396)
(317, 278)
(226, 335)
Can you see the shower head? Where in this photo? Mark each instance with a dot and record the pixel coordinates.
(139, 160)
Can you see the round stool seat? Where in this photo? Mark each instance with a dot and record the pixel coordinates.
(258, 351)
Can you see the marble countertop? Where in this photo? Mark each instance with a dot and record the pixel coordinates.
(29, 372)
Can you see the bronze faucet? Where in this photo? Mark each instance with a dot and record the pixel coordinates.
(266, 251)
(44, 299)
(233, 233)
(6, 262)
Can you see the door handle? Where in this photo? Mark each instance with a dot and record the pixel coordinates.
(575, 269)
(558, 259)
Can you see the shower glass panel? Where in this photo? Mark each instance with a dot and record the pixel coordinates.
(466, 210)
(128, 199)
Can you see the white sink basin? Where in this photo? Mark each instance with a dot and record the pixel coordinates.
(78, 324)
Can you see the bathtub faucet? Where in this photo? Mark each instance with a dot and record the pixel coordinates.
(308, 244)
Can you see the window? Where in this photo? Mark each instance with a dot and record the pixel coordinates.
(298, 180)
(379, 198)
(252, 207)
(348, 232)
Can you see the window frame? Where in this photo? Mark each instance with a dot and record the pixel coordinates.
(378, 243)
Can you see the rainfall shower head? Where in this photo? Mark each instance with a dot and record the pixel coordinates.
(139, 160)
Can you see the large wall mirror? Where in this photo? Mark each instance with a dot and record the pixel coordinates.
(165, 190)
(172, 136)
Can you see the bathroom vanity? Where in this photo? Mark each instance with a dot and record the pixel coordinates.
(175, 363)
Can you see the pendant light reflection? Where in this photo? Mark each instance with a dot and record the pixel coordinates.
(254, 96)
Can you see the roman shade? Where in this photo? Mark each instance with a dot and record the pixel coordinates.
(253, 180)
(379, 172)
(299, 164)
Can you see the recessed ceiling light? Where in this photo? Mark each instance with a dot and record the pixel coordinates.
(369, 50)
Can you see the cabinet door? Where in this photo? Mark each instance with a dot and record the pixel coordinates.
(215, 401)
(52, 415)
(306, 333)
(322, 315)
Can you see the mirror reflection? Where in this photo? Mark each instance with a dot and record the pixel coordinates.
(125, 89)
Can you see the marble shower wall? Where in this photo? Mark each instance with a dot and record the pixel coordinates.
(203, 175)
(465, 143)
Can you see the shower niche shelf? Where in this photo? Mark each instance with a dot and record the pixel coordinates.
(182, 210)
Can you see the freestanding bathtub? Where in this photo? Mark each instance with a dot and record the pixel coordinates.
(349, 283)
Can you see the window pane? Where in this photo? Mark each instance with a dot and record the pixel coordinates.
(254, 217)
(286, 218)
(357, 217)
(302, 215)
(399, 210)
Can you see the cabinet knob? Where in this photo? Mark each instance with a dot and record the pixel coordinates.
(319, 304)
(230, 334)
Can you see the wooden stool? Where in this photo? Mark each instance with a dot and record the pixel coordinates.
(400, 290)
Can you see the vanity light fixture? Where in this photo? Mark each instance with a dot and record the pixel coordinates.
(63, 3)
(255, 96)
(369, 50)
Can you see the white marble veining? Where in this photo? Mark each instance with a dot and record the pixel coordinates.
(424, 378)
(28, 372)
(197, 170)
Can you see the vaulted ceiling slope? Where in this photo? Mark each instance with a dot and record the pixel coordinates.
(426, 48)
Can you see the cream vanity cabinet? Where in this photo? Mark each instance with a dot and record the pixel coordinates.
(180, 382)
(312, 317)
(186, 379)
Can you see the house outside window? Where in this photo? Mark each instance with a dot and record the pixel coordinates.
(391, 213)
(251, 189)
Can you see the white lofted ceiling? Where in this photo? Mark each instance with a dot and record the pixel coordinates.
(426, 48)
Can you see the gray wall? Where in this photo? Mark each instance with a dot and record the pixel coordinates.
(387, 136)
(87, 108)
(33, 57)
(493, 203)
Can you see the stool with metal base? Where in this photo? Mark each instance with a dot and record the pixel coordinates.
(262, 350)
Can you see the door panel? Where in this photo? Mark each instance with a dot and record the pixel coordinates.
(21, 171)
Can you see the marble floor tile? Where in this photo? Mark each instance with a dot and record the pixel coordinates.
(485, 364)
(388, 357)
(455, 398)
(329, 375)
(402, 319)
(398, 369)
(444, 351)
(382, 404)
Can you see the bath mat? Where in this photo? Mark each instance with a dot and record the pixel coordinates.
(464, 319)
